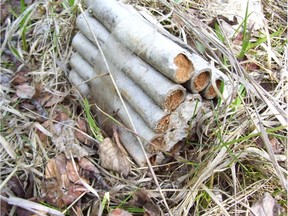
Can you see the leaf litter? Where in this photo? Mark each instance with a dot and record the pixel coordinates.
(113, 155)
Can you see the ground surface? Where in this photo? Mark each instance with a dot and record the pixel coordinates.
(236, 162)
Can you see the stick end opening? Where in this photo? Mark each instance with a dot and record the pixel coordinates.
(209, 92)
(173, 100)
(201, 81)
(184, 68)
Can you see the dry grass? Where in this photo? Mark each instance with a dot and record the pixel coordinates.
(239, 153)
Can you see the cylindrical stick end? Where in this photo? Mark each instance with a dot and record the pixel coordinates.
(201, 81)
(184, 68)
(173, 100)
(209, 92)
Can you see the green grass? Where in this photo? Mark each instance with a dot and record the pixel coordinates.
(96, 131)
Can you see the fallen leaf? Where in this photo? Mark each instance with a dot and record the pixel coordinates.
(73, 193)
(48, 99)
(65, 141)
(72, 171)
(113, 158)
(119, 212)
(89, 170)
(86, 164)
(61, 162)
(51, 170)
(267, 206)
(276, 146)
(61, 187)
(60, 116)
(25, 91)
(21, 77)
(141, 198)
(17, 187)
(238, 39)
(82, 137)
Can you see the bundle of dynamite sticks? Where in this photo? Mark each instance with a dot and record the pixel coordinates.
(162, 83)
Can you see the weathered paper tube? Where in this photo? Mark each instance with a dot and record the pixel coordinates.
(79, 83)
(209, 92)
(201, 75)
(180, 120)
(107, 99)
(152, 114)
(127, 138)
(159, 88)
(218, 79)
(143, 39)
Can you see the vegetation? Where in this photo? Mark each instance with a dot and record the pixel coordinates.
(237, 156)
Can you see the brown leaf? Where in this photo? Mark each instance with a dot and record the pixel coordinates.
(119, 212)
(277, 148)
(74, 192)
(60, 116)
(71, 172)
(17, 187)
(61, 162)
(86, 164)
(47, 99)
(82, 125)
(142, 198)
(21, 77)
(51, 170)
(238, 39)
(25, 91)
(113, 158)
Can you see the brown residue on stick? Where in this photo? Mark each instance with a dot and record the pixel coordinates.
(185, 68)
(202, 80)
(162, 125)
(156, 145)
(174, 99)
(209, 92)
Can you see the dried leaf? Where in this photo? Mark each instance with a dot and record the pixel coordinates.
(17, 187)
(119, 212)
(61, 162)
(25, 91)
(47, 99)
(238, 39)
(21, 77)
(142, 198)
(267, 206)
(60, 116)
(276, 146)
(82, 125)
(60, 187)
(86, 164)
(89, 170)
(113, 158)
(51, 170)
(73, 193)
(65, 141)
(71, 172)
